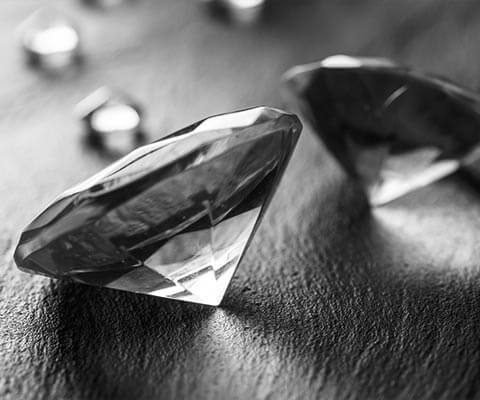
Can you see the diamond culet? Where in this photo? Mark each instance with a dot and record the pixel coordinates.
(171, 219)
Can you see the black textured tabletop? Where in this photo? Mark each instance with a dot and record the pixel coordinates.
(332, 300)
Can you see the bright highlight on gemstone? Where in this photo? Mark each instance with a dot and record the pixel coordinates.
(246, 3)
(242, 12)
(393, 128)
(50, 40)
(340, 61)
(171, 219)
(112, 120)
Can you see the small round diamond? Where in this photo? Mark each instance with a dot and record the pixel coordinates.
(113, 121)
(50, 40)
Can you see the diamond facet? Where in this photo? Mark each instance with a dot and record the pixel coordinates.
(393, 128)
(171, 219)
(50, 40)
(112, 120)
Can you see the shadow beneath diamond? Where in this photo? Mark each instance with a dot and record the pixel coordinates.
(373, 305)
(115, 344)
(344, 303)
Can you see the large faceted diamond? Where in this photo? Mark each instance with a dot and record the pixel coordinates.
(172, 218)
(393, 128)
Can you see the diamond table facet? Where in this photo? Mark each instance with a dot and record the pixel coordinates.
(171, 219)
(393, 128)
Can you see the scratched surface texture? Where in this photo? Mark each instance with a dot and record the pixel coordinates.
(332, 301)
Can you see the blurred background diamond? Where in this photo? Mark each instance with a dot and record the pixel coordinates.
(50, 39)
(112, 121)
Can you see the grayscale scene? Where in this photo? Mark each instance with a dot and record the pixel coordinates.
(240, 199)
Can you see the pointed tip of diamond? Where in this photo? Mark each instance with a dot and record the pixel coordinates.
(173, 218)
(205, 286)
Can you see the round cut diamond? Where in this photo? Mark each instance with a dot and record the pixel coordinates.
(171, 219)
(393, 128)
(112, 120)
(50, 39)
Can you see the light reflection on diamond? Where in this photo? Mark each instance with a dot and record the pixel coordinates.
(246, 3)
(341, 61)
(402, 174)
(56, 39)
(115, 118)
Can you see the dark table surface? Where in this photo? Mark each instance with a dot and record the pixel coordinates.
(332, 301)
